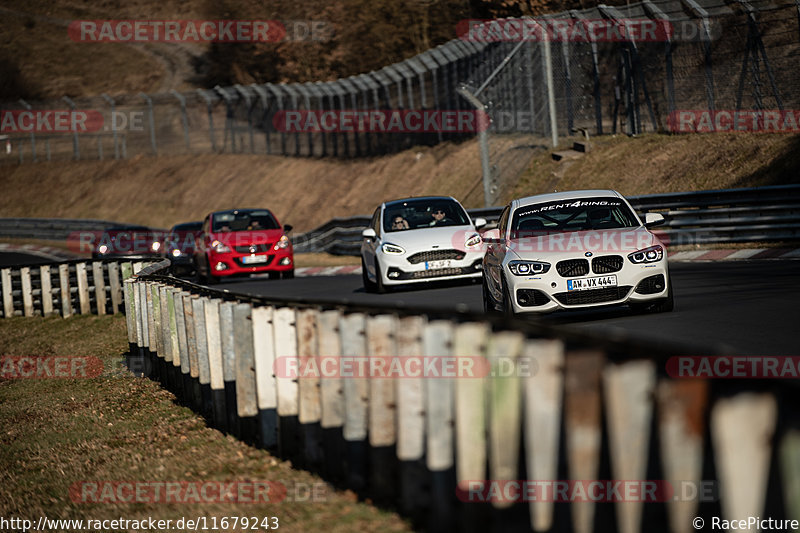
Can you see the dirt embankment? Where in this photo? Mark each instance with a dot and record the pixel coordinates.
(161, 191)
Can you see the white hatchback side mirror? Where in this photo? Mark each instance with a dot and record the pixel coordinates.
(653, 219)
(369, 233)
(480, 222)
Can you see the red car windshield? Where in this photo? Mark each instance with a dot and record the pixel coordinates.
(243, 221)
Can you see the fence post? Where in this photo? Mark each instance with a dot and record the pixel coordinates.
(439, 423)
(112, 104)
(184, 120)
(179, 298)
(152, 122)
(742, 429)
(332, 393)
(309, 408)
(541, 366)
(8, 298)
(356, 398)
(216, 381)
(83, 289)
(285, 335)
(582, 426)
(629, 391)
(228, 365)
(264, 358)
(47, 290)
(99, 287)
(65, 295)
(380, 330)
(201, 340)
(470, 340)
(681, 403)
(27, 293)
(116, 290)
(246, 401)
(191, 385)
(166, 335)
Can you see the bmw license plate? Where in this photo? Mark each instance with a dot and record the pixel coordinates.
(430, 265)
(253, 259)
(600, 282)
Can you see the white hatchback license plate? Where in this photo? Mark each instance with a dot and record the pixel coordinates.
(584, 284)
(430, 265)
(251, 259)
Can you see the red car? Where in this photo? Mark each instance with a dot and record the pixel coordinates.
(241, 242)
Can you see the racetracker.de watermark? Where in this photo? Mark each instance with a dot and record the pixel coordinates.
(545, 241)
(381, 121)
(728, 120)
(49, 367)
(594, 490)
(197, 492)
(585, 30)
(734, 367)
(199, 31)
(398, 367)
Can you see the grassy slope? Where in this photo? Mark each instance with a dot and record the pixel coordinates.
(308, 192)
(56, 432)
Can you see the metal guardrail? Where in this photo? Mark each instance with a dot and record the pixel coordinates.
(758, 214)
(49, 228)
(65, 288)
(432, 445)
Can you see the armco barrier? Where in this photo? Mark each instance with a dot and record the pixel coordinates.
(65, 288)
(758, 214)
(586, 408)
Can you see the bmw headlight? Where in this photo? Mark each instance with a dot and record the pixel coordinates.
(220, 247)
(648, 255)
(526, 268)
(392, 249)
(473, 241)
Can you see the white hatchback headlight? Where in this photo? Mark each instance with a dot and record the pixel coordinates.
(392, 249)
(648, 255)
(473, 241)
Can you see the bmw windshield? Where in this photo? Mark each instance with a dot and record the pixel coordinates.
(584, 214)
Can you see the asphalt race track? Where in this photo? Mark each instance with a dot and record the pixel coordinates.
(738, 307)
(741, 307)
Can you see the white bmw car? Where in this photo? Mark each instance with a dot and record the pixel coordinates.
(417, 240)
(572, 250)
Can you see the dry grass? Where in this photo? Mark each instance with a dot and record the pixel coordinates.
(57, 432)
(654, 163)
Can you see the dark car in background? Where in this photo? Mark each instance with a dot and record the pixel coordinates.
(179, 246)
(240, 242)
(127, 241)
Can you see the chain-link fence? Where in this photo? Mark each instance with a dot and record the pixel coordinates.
(648, 65)
(708, 65)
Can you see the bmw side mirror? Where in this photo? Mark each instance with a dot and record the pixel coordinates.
(491, 236)
(653, 219)
(369, 233)
(480, 222)
(287, 228)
